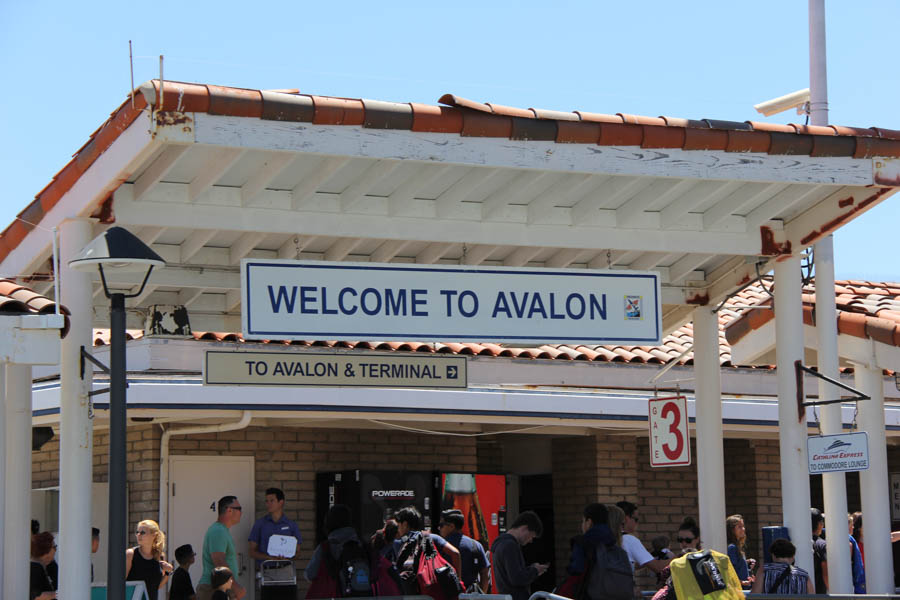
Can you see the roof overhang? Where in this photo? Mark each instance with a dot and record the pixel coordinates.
(205, 190)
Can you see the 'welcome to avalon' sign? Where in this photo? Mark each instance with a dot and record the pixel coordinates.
(284, 299)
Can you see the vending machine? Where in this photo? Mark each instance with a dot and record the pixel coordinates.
(482, 500)
(373, 496)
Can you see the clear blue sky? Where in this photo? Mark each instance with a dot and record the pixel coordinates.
(65, 68)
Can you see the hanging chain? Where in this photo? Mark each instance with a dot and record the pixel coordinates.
(609, 259)
(816, 417)
(855, 413)
(297, 246)
(465, 253)
(90, 407)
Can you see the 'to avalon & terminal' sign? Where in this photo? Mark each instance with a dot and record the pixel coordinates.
(286, 299)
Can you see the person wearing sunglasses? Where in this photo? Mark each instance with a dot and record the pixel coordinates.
(688, 535)
(219, 549)
(637, 553)
(147, 561)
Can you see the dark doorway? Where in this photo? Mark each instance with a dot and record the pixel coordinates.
(536, 493)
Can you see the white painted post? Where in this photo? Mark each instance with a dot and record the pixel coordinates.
(791, 430)
(76, 429)
(818, 73)
(4, 418)
(17, 512)
(834, 485)
(710, 453)
(873, 483)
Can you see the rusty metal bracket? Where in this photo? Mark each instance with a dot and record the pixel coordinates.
(87, 356)
(799, 369)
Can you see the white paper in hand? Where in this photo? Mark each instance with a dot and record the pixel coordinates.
(282, 545)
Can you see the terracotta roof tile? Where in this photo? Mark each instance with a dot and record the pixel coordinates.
(387, 115)
(18, 299)
(436, 119)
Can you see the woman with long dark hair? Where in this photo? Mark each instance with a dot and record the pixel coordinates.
(736, 533)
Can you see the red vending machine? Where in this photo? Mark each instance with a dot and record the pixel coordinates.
(482, 499)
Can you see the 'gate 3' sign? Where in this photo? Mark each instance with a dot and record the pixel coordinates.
(670, 445)
(285, 299)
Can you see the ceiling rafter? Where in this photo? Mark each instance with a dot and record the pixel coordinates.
(779, 203)
(521, 256)
(402, 198)
(243, 246)
(447, 204)
(307, 187)
(294, 245)
(433, 253)
(562, 258)
(192, 245)
(560, 194)
(704, 192)
(477, 254)
(273, 167)
(213, 169)
(354, 194)
(521, 190)
(341, 248)
(611, 194)
(686, 265)
(660, 192)
(387, 250)
(739, 202)
(158, 169)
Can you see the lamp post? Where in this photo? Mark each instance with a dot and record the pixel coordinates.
(119, 251)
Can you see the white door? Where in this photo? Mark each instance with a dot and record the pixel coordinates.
(197, 484)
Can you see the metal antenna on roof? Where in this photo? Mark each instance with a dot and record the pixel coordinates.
(131, 64)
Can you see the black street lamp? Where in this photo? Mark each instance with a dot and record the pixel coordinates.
(118, 251)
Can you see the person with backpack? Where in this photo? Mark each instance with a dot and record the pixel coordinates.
(475, 574)
(781, 576)
(598, 569)
(513, 577)
(409, 530)
(343, 566)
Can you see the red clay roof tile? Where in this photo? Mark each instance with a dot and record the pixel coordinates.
(533, 129)
(748, 141)
(478, 124)
(452, 100)
(640, 120)
(705, 139)
(790, 144)
(436, 119)
(387, 115)
(287, 107)
(612, 134)
(234, 102)
(663, 137)
(577, 132)
(338, 111)
(510, 111)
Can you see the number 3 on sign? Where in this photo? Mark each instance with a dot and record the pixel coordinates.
(669, 439)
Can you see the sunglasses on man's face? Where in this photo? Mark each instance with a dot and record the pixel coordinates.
(237, 508)
(682, 540)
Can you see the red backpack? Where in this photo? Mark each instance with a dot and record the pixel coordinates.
(435, 576)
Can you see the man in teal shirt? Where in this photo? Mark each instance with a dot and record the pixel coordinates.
(218, 548)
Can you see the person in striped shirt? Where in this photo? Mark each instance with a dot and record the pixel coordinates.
(781, 576)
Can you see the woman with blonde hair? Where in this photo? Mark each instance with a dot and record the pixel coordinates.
(736, 533)
(147, 561)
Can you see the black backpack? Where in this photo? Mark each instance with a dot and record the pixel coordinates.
(609, 575)
(353, 570)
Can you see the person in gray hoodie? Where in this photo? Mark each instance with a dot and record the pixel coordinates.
(510, 572)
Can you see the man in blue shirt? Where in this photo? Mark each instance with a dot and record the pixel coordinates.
(475, 564)
(272, 523)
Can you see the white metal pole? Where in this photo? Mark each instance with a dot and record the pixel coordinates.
(17, 512)
(710, 454)
(818, 73)
(76, 429)
(834, 485)
(873, 484)
(791, 419)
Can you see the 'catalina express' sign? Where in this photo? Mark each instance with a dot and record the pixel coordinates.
(288, 299)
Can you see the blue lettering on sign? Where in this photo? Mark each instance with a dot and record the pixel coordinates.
(282, 296)
(530, 305)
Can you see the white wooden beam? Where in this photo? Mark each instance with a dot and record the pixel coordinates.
(611, 194)
(213, 169)
(275, 164)
(158, 169)
(648, 260)
(502, 152)
(195, 242)
(223, 211)
(685, 266)
(200, 277)
(521, 190)
(564, 193)
(433, 253)
(354, 194)
(341, 248)
(740, 201)
(304, 191)
(401, 199)
(521, 256)
(705, 192)
(243, 246)
(149, 235)
(782, 202)
(833, 211)
(387, 251)
(294, 246)
(477, 254)
(660, 193)
(447, 204)
(562, 258)
(232, 300)
(188, 296)
(137, 300)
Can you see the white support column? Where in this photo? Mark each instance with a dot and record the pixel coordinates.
(17, 512)
(834, 485)
(76, 429)
(873, 483)
(710, 453)
(791, 423)
(4, 418)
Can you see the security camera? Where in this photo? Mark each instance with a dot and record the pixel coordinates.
(798, 100)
